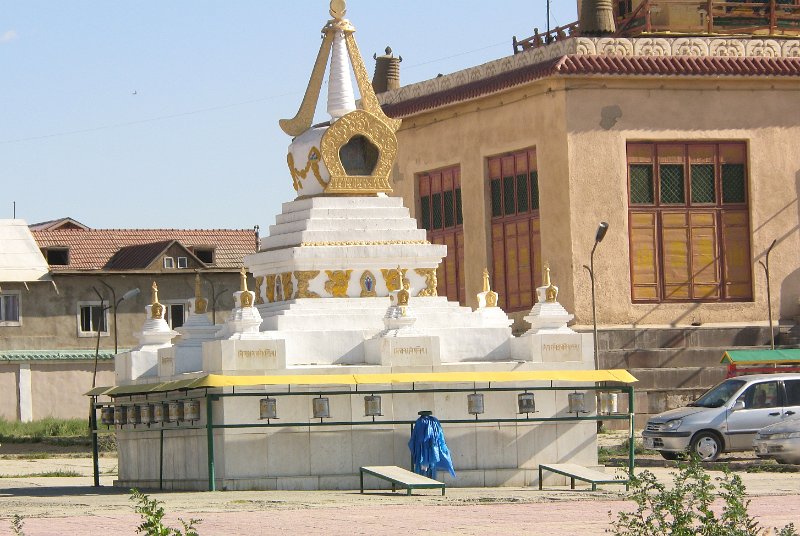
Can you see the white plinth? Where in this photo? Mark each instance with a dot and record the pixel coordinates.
(419, 351)
(244, 356)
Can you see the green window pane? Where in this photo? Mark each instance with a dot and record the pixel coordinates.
(436, 210)
(733, 183)
(508, 195)
(497, 203)
(535, 190)
(459, 218)
(703, 183)
(522, 193)
(641, 184)
(425, 212)
(449, 209)
(672, 184)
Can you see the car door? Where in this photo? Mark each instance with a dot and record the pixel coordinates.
(791, 408)
(762, 406)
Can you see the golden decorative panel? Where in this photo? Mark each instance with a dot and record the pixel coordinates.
(303, 280)
(312, 164)
(270, 288)
(287, 285)
(247, 298)
(355, 123)
(305, 115)
(259, 297)
(392, 278)
(430, 281)
(368, 283)
(337, 283)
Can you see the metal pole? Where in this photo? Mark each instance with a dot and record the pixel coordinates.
(116, 304)
(769, 294)
(594, 308)
(161, 459)
(210, 437)
(631, 413)
(95, 450)
(548, 17)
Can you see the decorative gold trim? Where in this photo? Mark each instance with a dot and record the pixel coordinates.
(358, 122)
(259, 296)
(287, 285)
(270, 288)
(247, 298)
(365, 243)
(392, 277)
(305, 115)
(337, 283)
(200, 303)
(303, 280)
(369, 101)
(431, 281)
(365, 292)
(312, 164)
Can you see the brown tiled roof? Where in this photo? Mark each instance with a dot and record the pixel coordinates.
(572, 65)
(92, 249)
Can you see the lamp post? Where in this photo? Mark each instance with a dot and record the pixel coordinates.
(598, 237)
(101, 310)
(132, 293)
(765, 266)
(214, 297)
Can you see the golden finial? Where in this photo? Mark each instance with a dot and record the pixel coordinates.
(338, 9)
(489, 295)
(156, 309)
(551, 292)
(200, 303)
(243, 280)
(486, 287)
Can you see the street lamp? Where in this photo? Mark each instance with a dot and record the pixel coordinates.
(101, 311)
(598, 237)
(769, 296)
(132, 293)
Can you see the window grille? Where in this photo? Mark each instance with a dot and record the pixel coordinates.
(703, 183)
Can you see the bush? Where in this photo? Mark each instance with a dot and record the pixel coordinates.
(16, 431)
(685, 508)
(152, 512)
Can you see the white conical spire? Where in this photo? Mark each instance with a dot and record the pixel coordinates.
(341, 99)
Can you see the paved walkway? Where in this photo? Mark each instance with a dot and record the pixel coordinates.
(72, 506)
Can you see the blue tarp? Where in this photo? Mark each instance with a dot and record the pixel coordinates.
(428, 448)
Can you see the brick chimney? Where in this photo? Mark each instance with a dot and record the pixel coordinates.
(387, 72)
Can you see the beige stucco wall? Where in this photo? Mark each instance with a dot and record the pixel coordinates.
(9, 393)
(583, 179)
(58, 388)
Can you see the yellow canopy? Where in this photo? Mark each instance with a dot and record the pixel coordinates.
(217, 380)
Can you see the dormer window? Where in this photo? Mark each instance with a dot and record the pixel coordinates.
(56, 256)
(206, 255)
(183, 262)
(169, 263)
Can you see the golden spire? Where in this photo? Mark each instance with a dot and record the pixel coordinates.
(200, 303)
(489, 295)
(156, 309)
(243, 280)
(486, 287)
(551, 291)
(338, 9)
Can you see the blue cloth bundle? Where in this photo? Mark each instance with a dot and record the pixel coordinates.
(428, 448)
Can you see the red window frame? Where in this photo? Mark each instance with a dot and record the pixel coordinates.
(513, 193)
(440, 214)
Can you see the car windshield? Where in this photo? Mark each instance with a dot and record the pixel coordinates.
(719, 395)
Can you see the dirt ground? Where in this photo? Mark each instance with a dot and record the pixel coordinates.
(59, 505)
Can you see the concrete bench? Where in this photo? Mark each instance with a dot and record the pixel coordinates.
(579, 472)
(400, 477)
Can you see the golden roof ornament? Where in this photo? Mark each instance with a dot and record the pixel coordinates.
(156, 309)
(200, 303)
(243, 280)
(550, 291)
(359, 148)
(489, 295)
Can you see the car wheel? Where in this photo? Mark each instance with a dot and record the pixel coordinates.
(707, 446)
(669, 455)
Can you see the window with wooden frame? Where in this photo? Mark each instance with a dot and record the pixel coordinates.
(689, 222)
(516, 244)
(440, 214)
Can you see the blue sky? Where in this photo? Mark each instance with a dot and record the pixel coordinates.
(164, 113)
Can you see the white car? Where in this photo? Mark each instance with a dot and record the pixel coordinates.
(780, 442)
(726, 418)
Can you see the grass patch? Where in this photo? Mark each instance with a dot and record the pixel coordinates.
(771, 468)
(50, 428)
(45, 474)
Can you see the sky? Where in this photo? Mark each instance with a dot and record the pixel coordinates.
(164, 114)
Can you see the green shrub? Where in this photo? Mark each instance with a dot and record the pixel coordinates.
(685, 508)
(152, 512)
(16, 525)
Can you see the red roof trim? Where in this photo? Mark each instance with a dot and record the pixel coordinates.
(573, 65)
